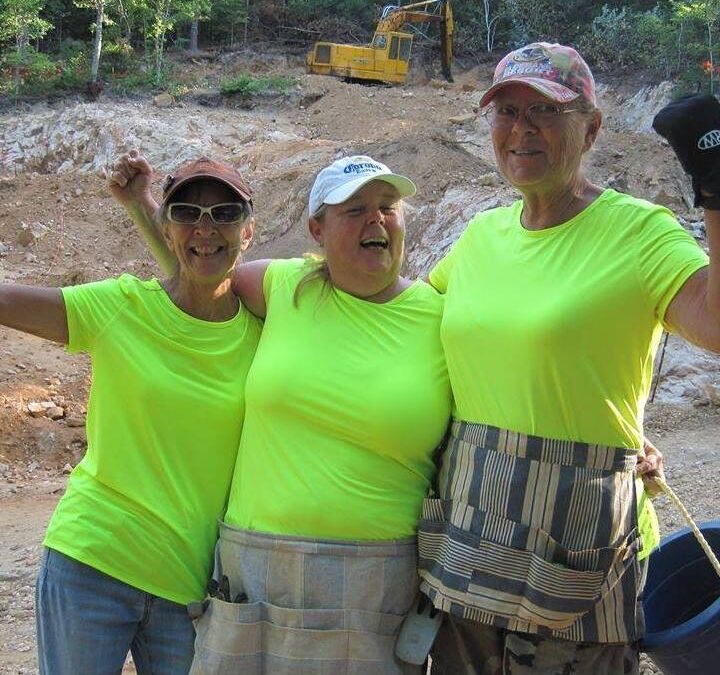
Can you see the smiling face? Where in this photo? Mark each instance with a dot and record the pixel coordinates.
(206, 251)
(363, 239)
(541, 159)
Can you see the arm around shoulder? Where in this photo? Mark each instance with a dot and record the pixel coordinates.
(35, 310)
(247, 283)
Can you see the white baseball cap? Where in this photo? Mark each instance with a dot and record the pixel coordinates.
(344, 177)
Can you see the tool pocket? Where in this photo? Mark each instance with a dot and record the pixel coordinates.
(516, 571)
(260, 638)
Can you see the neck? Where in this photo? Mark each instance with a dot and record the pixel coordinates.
(209, 303)
(549, 208)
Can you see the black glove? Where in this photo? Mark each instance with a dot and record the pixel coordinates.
(692, 127)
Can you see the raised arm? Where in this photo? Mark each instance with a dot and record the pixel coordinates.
(247, 284)
(35, 310)
(694, 312)
(691, 125)
(129, 182)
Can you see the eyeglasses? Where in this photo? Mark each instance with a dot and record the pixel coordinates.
(540, 115)
(220, 214)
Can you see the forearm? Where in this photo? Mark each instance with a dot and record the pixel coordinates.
(39, 311)
(712, 229)
(146, 216)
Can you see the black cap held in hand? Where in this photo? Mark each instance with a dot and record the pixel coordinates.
(691, 125)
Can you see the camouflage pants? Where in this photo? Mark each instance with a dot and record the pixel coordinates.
(468, 648)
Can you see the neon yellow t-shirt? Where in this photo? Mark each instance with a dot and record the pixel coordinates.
(346, 401)
(164, 420)
(553, 332)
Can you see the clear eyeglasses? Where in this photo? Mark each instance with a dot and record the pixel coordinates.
(540, 115)
(220, 214)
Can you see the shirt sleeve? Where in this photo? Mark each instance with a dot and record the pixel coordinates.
(668, 256)
(90, 307)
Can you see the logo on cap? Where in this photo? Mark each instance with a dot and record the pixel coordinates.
(365, 167)
(530, 54)
(710, 140)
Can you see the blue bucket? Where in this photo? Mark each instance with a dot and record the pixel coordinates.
(682, 604)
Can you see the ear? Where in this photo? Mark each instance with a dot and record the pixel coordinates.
(593, 128)
(247, 233)
(316, 230)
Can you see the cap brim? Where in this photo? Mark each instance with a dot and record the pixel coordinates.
(404, 186)
(553, 90)
(208, 176)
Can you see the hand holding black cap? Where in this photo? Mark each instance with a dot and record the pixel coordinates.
(691, 125)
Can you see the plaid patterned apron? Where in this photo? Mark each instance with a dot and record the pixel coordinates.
(534, 535)
(307, 606)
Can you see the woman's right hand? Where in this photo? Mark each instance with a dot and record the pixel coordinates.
(129, 179)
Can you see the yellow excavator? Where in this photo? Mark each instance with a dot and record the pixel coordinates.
(386, 58)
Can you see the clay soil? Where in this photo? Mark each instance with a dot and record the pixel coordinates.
(91, 239)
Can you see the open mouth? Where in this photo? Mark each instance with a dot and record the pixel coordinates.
(205, 251)
(525, 153)
(375, 242)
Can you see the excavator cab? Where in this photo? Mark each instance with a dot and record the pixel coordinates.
(387, 57)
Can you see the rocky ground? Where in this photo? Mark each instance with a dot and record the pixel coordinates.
(57, 226)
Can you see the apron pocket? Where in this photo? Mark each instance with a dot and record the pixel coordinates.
(259, 638)
(512, 570)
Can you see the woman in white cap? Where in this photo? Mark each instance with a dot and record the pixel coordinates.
(130, 543)
(347, 398)
(554, 308)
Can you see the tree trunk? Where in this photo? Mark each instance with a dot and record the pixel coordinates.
(22, 42)
(158, 57)
(194, 27)
(710, 54)
(97, 44)
(247, 19)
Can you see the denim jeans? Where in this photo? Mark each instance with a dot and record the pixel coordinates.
(87, 622)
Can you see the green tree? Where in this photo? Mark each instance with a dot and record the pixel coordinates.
(20, 22)
(706, 13)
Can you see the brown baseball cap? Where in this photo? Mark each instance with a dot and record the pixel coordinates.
(204, 167)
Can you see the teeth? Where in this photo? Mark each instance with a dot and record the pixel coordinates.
(377, 241)
(204, 251)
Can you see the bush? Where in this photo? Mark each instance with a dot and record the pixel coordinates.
(621, 39)
(37, 71)
(246, 85)
(117, 57)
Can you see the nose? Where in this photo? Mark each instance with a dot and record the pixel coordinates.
(377, 215)
(205, 226)
(523, 123)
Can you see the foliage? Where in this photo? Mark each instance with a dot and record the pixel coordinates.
(117, 57)
(660, 38)
(621, 38)
(246, 86)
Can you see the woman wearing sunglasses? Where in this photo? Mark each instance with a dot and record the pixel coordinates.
(130, 543)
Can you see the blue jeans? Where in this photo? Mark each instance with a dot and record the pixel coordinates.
(87, 622)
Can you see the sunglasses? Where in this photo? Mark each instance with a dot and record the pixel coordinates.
(220, 214)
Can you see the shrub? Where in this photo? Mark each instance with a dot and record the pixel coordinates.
(245, 85)
(117, 57)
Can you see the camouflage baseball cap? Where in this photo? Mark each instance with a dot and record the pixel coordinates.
(556, 71)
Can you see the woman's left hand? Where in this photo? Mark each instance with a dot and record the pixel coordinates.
(650, 465)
